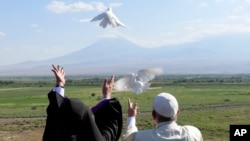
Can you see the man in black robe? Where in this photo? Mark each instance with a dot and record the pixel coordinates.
(70, 119)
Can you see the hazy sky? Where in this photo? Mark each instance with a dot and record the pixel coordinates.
(42, 29)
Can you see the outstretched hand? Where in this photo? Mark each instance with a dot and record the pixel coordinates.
(132, 109)
(108, 87)
(59, 74)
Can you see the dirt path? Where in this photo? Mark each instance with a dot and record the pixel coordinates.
(28, 135)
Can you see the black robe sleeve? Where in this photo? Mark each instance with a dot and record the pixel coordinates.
(109, 119)
(51, 128)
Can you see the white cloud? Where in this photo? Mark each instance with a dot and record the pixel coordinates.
(219, 1)
(85, 20)
(2, 34)
(62, 7)
(194, 31)
(98, 6)
(203, 4)
(36, 52)
(115, 4)
(110, 33)
(204, 29)
(34, 25)
(239, 8)
(241, 19)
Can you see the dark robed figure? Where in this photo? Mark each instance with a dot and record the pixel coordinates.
(70, 119)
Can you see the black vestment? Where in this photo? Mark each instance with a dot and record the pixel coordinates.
(70, 119)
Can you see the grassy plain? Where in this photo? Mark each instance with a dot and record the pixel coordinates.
(210, 103)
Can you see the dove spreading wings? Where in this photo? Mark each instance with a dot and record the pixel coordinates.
(108, 17)
(137, 82)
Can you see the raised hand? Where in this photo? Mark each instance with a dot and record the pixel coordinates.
(132, 109)
(59, 74)
(108, 87)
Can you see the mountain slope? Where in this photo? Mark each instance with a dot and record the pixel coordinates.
(112, 56)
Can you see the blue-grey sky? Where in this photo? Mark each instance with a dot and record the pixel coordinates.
(43, 29)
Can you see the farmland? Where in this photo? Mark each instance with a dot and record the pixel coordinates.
(209, 102)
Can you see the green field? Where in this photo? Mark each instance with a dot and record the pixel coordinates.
(209, 102)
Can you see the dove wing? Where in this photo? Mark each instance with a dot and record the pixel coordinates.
(99, 17)
(117, 21)
(146, 75)
(104, 22)
(111, 16)
(124, 83)
(114, 20)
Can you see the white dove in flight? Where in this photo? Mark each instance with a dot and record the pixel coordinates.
(108, 17)
(137, 82)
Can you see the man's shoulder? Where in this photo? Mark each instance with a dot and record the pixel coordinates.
(190, 128)
(144, 133)
(193, 131)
